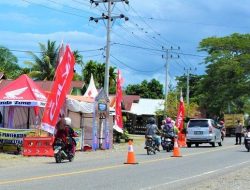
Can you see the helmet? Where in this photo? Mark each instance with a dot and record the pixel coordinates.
(151, 120)
(168, 120)
(221, 122)
(67, 121)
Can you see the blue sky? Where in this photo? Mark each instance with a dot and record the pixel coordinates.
(137, 43)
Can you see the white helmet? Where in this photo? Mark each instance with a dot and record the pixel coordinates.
(67, 121)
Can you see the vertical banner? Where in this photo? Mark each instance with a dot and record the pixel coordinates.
(61, 85)
(118, 109)
(94, 130)
(180, 115)
(180, 122)
(107, 141)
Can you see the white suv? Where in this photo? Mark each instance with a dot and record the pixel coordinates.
(203, 131)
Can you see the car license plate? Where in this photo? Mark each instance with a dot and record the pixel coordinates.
(198, 132)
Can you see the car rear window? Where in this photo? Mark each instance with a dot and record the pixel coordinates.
(198, 123)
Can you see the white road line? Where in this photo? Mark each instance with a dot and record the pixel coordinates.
(194, 176)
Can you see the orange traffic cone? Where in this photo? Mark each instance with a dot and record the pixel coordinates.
(176, 151)
(182, 140)
(131, 155)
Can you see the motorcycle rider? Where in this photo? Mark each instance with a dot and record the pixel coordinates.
(65, 132)
(152, 130)
(169, 127)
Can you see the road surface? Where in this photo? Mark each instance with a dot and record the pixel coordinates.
(106, 169)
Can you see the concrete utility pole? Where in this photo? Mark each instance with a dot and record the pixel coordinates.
(167, 57)
(188, 91)
(109, 19)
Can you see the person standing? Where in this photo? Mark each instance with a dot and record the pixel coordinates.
(238, 132)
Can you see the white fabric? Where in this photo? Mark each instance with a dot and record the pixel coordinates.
(77, 106)
(117, 128)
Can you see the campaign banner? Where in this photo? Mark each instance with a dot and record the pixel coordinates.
(14, 136)
(78, 139)
(61, 85)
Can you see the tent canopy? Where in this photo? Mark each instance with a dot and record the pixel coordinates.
(22, 92)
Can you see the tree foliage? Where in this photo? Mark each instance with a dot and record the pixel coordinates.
(44, 65)
(98, 71)
(194, 81)
(152, 89)
(8, 63)
(226, 83)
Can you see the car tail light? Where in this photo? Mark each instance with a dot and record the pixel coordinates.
(210, 129)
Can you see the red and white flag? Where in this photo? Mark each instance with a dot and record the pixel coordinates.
(118, 108)
(61, 85)
(180, 117)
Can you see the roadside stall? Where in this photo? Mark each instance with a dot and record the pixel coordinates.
(22, 103)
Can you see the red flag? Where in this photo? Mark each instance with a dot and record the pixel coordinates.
(180, 116)
(118, 109)
(61, 85)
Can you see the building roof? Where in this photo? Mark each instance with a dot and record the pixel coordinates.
(127, 101)
(46, 85)
(147, 106)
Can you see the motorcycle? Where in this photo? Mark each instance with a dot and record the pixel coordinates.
(151, 146)
(247, 141)
(63, 151)
(167, 141)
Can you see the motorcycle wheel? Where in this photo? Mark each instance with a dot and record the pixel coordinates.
(168, 149)
(148, 151)
(248, 150)
(71, 157)
(58, 158)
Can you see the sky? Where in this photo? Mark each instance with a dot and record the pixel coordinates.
(137, 44)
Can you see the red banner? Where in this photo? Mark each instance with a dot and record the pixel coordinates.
(180, 116)
(61, 85)
(118, 108)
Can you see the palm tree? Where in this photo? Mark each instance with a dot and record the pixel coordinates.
(43, 67)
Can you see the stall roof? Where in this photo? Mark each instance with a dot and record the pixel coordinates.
(22, 92)
(46, 85)
(147, 106)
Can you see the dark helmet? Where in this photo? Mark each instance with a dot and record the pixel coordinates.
(151, 120)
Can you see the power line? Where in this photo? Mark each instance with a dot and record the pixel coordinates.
(159, 50)
(137, 70)
(61, 11)
(195, 23)
(26, 51)
(141, 18)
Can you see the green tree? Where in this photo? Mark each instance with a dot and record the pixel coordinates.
(194, 81)
(8, 63)
(43, 67)
(98, 71)
(226, 83)
(152, 89)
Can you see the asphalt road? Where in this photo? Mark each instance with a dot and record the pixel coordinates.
(105, 169)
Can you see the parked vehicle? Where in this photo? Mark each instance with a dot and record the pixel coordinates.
(247, 141)
(203, 131)
(231, 122)
(167, 141)
(62, 151)
(151, 146)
